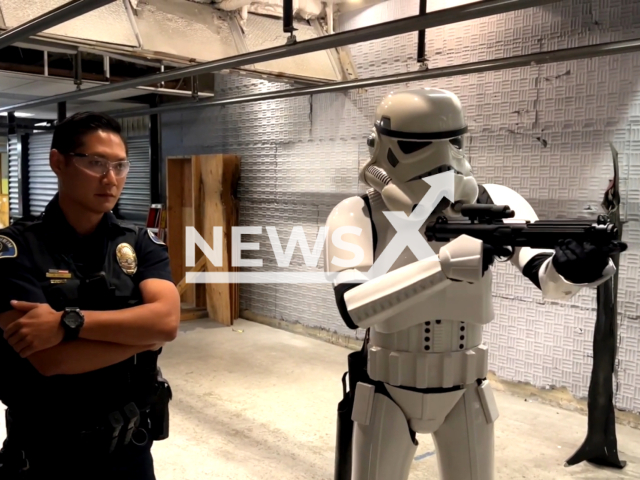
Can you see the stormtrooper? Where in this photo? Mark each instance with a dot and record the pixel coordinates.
(426, 367)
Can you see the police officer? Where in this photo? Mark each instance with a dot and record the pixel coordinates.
(86, 304)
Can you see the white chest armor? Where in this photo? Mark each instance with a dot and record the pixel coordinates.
(439, 343)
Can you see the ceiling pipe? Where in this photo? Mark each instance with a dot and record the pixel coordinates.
(49, 19)
(329, 10)
(388, 29)
(132, 21)
(555, 56)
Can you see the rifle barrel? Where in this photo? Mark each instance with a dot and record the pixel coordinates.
(545, 234)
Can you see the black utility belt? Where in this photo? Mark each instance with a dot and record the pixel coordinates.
(124, 426)
(115, 430)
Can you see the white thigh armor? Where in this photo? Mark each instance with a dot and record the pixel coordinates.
(461, 422)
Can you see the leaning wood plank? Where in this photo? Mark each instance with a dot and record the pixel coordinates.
(193, 314)
(198, 267)
(218, 297)
(175, 215)
(200, 290)
(230, 179)
(188, 216)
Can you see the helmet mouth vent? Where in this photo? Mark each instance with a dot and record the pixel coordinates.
(435, 171)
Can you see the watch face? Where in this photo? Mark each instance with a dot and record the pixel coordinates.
(73, 319)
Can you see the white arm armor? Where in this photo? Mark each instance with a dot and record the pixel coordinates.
(378, 299)
(387, 295)
(552, 284)
(555, 287)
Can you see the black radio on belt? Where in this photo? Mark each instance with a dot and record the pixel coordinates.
(159, 412)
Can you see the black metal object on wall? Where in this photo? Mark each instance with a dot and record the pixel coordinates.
(24, 203)
(62, 111)
(422, 36)
(157, 170)
(600, 446)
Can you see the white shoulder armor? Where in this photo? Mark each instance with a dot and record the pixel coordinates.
(502, 195)
(349, 238)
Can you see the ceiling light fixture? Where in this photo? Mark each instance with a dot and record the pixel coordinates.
(18, 114)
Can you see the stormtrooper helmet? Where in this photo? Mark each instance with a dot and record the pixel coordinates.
(418, 133)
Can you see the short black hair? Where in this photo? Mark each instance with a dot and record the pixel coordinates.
(69, 134)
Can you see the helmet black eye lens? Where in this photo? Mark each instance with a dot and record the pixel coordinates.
(456, 142)
(410, 147)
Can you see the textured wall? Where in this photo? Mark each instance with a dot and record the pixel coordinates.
(541, 130)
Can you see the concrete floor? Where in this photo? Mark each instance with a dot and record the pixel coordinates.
(253, 402)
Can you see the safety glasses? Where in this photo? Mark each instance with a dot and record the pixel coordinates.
(100, 166)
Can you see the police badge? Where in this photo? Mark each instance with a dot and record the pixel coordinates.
(127, 258)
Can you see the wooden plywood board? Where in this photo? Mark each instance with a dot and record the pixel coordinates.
(220, 174)
(185, 205)
(202, 192)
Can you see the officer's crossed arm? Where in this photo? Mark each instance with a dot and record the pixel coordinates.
(17, 282)
(158, 319)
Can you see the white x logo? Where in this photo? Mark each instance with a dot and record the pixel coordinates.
(408, 227)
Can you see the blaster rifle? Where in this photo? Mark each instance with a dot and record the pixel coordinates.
(486, 223)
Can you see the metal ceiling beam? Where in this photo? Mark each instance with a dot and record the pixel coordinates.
(564, 55)
(49, 19)
(388, 29)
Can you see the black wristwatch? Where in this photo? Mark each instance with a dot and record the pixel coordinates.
(72, 321)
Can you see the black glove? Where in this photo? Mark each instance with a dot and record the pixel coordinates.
(583, 263)
(489, 253)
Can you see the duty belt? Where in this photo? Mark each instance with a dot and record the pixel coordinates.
(117, 429)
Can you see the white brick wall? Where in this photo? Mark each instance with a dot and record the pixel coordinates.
(301, 156)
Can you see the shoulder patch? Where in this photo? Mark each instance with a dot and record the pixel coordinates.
(8, 248)
(154, 238)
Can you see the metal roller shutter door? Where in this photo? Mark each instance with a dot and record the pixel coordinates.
(43, 183)
(13, 149)
(136, 195)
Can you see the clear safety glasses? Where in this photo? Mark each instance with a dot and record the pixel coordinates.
(100, 166)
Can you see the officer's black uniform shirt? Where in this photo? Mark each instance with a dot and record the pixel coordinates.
(19, 275)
